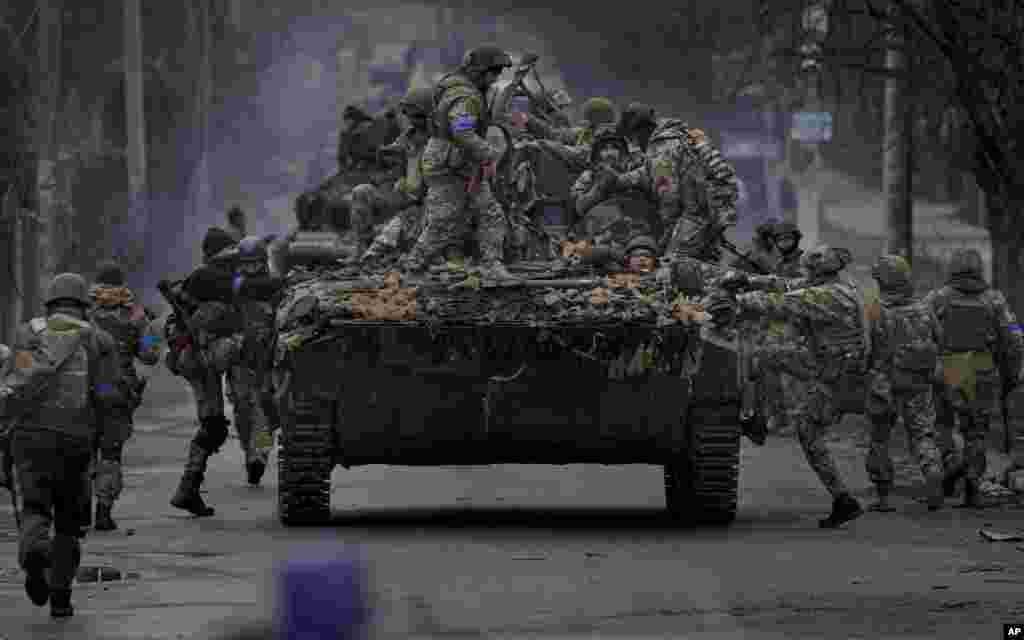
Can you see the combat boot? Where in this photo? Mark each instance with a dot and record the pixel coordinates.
(103, 521)
(844, 508)
(36, 586)
(935, 496)
(60, 604)
(254, 470)
(187, 496)
(881, 503)
(950, 479)
(973, 499)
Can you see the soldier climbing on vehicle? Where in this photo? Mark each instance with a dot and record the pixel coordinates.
(981, 345)
(400, 206)
(905, 341)
(833, 345)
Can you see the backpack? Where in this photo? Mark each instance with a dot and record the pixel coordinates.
(910, 331)
(967, 325)
(54, 352)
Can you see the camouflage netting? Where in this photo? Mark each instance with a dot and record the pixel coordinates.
(643, 323)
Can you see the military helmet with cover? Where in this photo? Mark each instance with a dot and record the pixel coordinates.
(966, 262)
(419, 102)
(69, 287)
(215, 241)
(642, 245)
(824, 260)
(484, 58)
(892, 272)
(110, 274)
(599, 111)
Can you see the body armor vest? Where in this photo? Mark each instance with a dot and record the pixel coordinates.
(911, 351)
(967, 324)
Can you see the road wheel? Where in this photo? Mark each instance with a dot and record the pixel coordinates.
(304, 470)
(703, 485)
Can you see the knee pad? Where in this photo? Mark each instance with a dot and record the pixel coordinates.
(213, 433)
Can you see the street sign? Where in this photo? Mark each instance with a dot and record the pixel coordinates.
(812, 126)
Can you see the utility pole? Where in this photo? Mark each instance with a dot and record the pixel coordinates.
(49, 87)
(135, 124)
(896, 176)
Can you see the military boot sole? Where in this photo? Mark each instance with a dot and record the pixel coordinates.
(192, 504)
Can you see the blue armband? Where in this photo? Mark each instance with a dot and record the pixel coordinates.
(463, 123)
(236, 283)
(149, 342)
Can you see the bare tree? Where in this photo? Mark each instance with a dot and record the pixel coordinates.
(968, 60)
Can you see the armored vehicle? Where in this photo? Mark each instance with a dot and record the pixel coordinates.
(563, 365)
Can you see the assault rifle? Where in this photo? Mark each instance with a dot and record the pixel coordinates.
(745, 257)
(181, 316)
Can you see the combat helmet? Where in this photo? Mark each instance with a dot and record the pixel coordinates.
(418, 101)
(824, 261)
(252, 249)
(966, 262)
(892, 272)
(215, 241)
(356, 114)
(485, 57)
(642, 245)
(68, 287)
(785, 228)
(599, 111)
(110, 274)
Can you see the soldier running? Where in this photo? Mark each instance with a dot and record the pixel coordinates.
(53, 439)
(116, 311)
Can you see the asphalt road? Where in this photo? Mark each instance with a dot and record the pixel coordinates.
(536, 551)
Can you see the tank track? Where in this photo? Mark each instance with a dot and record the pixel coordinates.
(703, 486)
(304, 470)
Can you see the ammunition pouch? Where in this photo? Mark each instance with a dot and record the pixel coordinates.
(839, 363)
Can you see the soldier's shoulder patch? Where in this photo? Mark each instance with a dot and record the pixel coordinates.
(696, 136)
(463, 122)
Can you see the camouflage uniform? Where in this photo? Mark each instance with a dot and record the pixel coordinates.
(597, 184)
(248, 377)
(982, 342)
(453, 157)
(207, 293)
(117, 313)
(695, 187)
(828, 312)
(52, 446)
(905, 339)
(401, 231)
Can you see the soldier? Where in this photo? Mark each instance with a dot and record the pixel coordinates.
(786, 238)
(236, 223)
(248, 377)
(607, 157)
(828, 311)
(116, 312)
(696, 189)
(458, 163)
(53, 441)
(5, 441)
(762, 255)
(905, 339)
(572, 144)
(981, 340)
(218, 326)
(370, 203)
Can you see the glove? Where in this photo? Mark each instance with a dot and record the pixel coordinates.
(518, 119)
